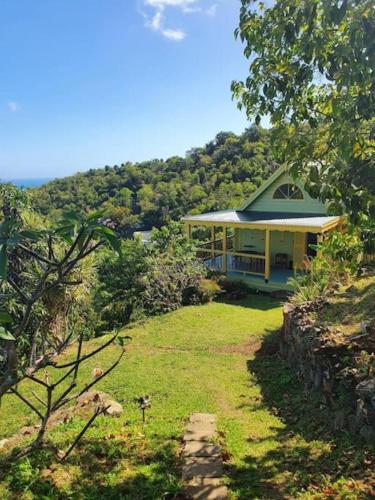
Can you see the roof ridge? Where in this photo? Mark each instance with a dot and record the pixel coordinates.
(278, 173)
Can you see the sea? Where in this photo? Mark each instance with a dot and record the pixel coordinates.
(28, 183)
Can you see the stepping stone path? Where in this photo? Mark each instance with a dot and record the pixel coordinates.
(203, 463)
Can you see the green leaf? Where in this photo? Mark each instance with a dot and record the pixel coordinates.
(5, 317)
(3, 262)
(13, 241)
(29, 235)
(122, 340)
(5, 335)
(110, 237)
(97, 214)
(71, 216)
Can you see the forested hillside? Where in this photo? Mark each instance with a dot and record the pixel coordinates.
(142, 195)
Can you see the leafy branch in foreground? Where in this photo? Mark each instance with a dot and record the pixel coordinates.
(39, 268)
(312, 73)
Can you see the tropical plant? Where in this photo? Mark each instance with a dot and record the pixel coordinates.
(311, 282)
(338, 260)
(41, 280)
(343, 251)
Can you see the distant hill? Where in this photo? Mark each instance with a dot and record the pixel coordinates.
(219, 175)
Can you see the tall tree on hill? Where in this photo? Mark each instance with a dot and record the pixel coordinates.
(312, 68)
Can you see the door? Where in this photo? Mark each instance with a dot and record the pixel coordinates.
(299, 250)
(312, 239)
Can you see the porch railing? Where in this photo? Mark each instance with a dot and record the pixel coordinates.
(247, 263)
(211, 249)
(216, 245)
(212, 255)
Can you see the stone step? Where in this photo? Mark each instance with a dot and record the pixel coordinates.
(208, 427)
(201, 449)
(203, 464)
(202, 467)
(203, 417)
(199, 435)
(205, 489)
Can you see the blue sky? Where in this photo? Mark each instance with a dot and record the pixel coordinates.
(88, 83)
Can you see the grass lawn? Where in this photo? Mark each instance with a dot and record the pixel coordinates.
(351, 306)
(217, 358)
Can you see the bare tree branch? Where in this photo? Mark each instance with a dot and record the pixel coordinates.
(36, 256)
(17, 289)
(38, 381)
(30, 405)
(61, 402)
(39, 399)
(92, 353)
(98, 411)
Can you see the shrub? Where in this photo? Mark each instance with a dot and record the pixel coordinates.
(368, 238)
(204, 292)
(339, 260)
(343, 251)
(170, 284)
(152, 279)
(312, 282)
(120, 284)
(237, 288)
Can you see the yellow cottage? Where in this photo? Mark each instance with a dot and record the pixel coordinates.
(269, 237)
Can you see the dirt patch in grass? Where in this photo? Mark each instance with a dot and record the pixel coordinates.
(249, 347)
(252, 346)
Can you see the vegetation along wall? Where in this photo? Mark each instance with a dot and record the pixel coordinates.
(348, 394)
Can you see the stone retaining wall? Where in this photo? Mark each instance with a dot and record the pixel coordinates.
(320, 363)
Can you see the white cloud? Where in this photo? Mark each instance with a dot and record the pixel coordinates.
(156, 21)
(211, 11)
(176, 35)
(13, 106)
(161, 4)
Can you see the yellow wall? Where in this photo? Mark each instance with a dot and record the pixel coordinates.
(253, 237)
(281, 242)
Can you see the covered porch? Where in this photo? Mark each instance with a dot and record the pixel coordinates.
(264, 250)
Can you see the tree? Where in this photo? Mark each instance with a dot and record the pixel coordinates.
(39, 269)
(149, 194)
(312, 72)
(120, 285)
(145, 280)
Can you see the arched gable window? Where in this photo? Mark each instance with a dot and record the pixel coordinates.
(288, 192)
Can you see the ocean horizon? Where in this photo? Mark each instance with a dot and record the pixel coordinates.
(28, 182)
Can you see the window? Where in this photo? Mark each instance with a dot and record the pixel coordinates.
(288, 192)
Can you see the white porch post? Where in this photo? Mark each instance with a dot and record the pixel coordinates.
(267, 270)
